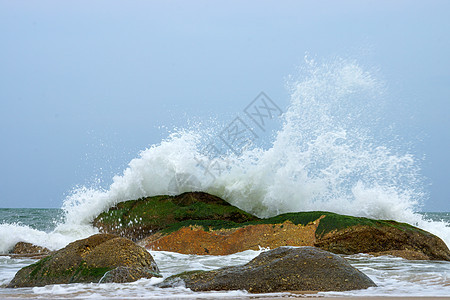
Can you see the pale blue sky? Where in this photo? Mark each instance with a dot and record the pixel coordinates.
(84, 85)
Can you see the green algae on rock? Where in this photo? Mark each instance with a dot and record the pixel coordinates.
(199, 223)
(279, 270)
(87, 260)
(136, 219)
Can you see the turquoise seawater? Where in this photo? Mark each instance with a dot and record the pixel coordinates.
(43, 219)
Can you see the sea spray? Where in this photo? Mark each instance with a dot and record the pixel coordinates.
(324, 157)
(10, 234)
(333, 152)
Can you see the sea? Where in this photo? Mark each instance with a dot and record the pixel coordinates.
(334, 147)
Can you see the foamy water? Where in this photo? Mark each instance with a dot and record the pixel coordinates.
(394, 277)
(327, 155)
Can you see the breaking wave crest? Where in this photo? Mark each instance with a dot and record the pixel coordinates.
(332, 152)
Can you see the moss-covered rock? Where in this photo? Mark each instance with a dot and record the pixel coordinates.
(87, 260)
(199, 223)
(136, 219)
(279, 270)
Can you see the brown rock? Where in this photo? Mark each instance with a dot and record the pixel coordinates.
(137, 219)
(86, 260)
(398, 240)
(199, 223)
(195, 240)
(28, 250)
(279, 270)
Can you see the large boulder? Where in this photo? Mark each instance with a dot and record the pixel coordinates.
(199, 223)
(24, 249)
(88, 260)
(393, 238)
(279, 270)
(197, 239)
(136, 219)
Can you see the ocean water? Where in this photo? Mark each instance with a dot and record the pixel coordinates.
(394, 276)
(333, 149)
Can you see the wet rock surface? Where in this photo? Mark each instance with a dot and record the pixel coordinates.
(399, 239)
(28, 250)
(88, 260)
(137, 219)
(279, 270)
(196, 240)
(200, 223)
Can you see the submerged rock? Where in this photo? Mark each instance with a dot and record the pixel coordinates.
(199, 223)
(88, 260)
(279, 270)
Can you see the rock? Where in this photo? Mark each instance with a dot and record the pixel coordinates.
(137, 219)
(199, 223)
(332, 232)
(198, 240)
(393, 238)
(28, 248)
(88, 260)
(279, 270)
(23, 249)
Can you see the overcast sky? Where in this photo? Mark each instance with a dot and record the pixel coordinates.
(86, 85)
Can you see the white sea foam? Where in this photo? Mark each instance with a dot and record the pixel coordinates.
(171, 263)
(394, 277)
(324, 157)
(328, 155)
(397, 277)
(10, 234)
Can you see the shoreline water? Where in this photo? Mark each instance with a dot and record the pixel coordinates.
(395, 277)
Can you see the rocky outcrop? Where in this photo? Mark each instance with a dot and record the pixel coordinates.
(88, 260)
(23, 249)
(198, 240)
(137, 219)
(393, 238)
(28, 248)
(199, 223)
(279, 270)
